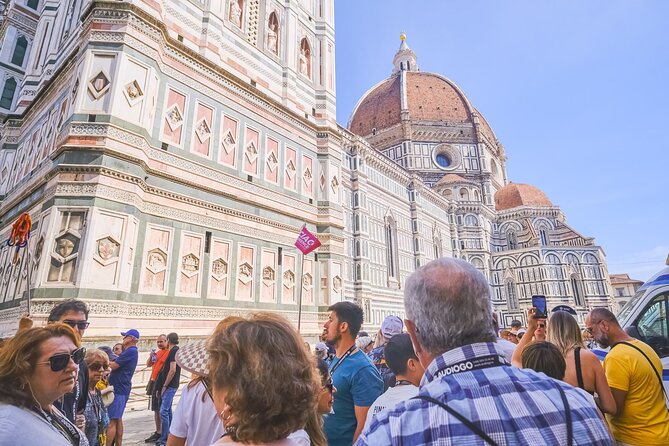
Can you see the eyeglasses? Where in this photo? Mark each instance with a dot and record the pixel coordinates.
(81, 325)
(60, 361)
(541, 325)
(329, 385)
(98, 366)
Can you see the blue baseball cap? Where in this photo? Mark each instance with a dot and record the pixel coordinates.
(132, 332)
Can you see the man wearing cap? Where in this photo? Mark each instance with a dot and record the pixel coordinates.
(391, 326)
(167, 383)
(123, 368)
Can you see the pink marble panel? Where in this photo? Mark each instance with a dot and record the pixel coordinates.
(229, 137)
(245, 272)
(190, 264)
(219, 270)
(290, 173)
(251, 151)
(307, 176)
(272, 160)
(308, 282)
(174, 117)
(289, 279)
(268, 264)
(156, 259)
(202, 130)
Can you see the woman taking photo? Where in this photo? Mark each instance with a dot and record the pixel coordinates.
(583, 367)
(37, 367)
(95, 413)
(264, 382)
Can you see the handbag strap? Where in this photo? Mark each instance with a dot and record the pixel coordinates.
(579, 372)
(474, 428)
(567, 411)
(652, 366)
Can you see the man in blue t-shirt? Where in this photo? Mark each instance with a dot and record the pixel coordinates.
(357, 381)
(123, 368)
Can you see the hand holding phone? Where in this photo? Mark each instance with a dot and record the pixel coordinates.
(539, 303)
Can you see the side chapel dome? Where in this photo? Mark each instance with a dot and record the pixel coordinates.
(516, 194)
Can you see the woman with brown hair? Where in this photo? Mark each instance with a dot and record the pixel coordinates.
(37, 367)
(195, 418)
(264, 382)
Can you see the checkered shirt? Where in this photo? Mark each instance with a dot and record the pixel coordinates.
(513, 406)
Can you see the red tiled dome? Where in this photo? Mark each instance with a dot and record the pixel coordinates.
(515, 194)
(430, 97)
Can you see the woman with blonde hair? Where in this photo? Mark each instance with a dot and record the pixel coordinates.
(37, 367)
(264, 382)
(95, 413)
(583, 367)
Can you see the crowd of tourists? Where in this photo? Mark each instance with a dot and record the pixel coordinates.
(446, 375)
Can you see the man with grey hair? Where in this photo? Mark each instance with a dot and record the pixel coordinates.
(469, 393)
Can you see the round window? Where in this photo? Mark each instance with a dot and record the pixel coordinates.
(443, 160)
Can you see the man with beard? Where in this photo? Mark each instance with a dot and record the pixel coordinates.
(633, 371)
(357, 381)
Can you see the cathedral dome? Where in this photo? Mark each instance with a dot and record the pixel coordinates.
(514, 195)
(429, 97)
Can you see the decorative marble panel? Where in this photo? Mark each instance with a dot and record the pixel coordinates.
(157, 247)
(65, 247)
(307, 176)
(268, 263)
(290, 175)
(220, 269)
(272, 160)
(228, 151)
(174, 117)
(245, 273)
(308, 282)
(202, 130)
(190, 264)
(251, 151)
(288, 279)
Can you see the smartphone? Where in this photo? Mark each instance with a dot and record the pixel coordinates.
(539, 302)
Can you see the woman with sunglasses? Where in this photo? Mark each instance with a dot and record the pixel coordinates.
(37, 367)
(97, 419)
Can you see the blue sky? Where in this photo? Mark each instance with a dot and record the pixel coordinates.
(578, 93)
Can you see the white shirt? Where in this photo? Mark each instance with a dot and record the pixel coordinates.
(23, 427)
(507, 347)
(196, 420)
(389, 399)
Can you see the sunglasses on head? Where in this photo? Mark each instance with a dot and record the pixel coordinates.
(81, 325)
(60, 361)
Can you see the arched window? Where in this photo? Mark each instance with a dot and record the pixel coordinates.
(273, 33)
(511, 298)
(576, 289)
(543, 235)
(19, 54)
(464, 194)
(511, 240)
(391, 248)
(471, 220)
(437, 248)
(477, 196)
(305, 58)
(493, 168)
(8, 91)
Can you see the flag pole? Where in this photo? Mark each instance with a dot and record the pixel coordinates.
(299, 293)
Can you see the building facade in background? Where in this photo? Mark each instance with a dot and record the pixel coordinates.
(169, 151)
(623, 288)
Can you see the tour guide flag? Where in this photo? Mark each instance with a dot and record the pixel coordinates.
(306, 241)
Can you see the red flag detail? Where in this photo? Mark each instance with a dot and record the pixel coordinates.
(306, 241)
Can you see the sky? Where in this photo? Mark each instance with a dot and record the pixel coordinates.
(577, 92)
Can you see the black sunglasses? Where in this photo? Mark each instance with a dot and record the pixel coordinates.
(60, 361)
(81, 325)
